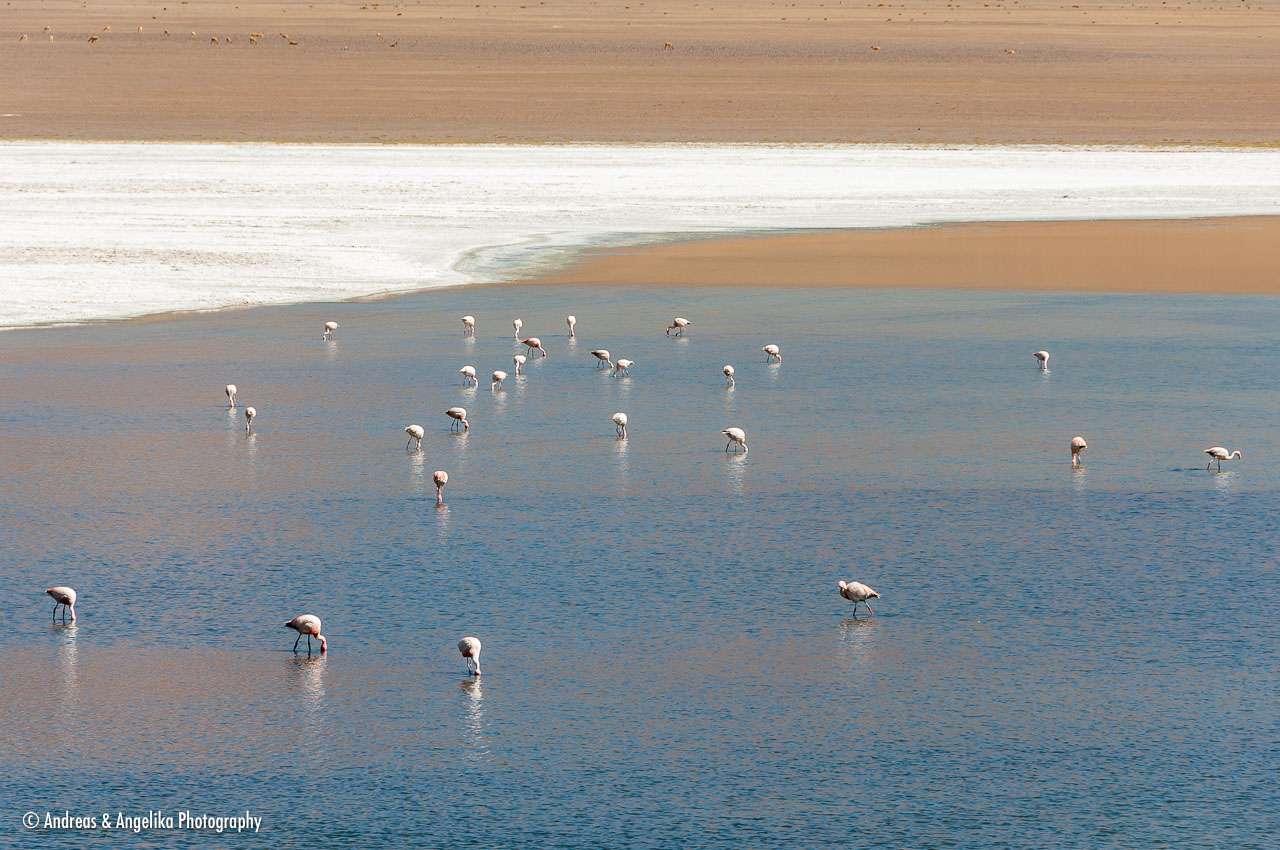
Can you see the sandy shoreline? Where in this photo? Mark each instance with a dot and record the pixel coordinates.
(1198, 72)
(1228, 256)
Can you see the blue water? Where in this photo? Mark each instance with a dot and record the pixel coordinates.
(1075, 658)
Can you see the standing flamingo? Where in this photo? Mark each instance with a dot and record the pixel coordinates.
(1043, 357)
(329, 328)
(622, 365)
(771, 351)
(519, 360)
(728, 373)
(231, 396)
(498, 377)
(307, 624)
(469, 375)
(855, 592)
(441, 478)
(534, 344)
(1077, 445)
(678, 324)
(620, 420)
(737, 437)
(470, 649)
(65, 598)
(517, 324)
(458, 415)
(468, 325)
(571, 321)
(249, 413)
(1220, 454)
(415, 432)
(602, 355)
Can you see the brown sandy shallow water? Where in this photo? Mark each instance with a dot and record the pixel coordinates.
(1216, 255)
(1191, 71)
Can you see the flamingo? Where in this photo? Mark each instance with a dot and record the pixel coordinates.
(498, 377)
(534, 344)
(249, 413)
(1077, 445)
(622, 365)
(855, 592)
(231, 396)
(517, 324)
(65, 598)
(468, 325)
(728, 373)
(519, 360)
(571, 321)
(469, 375)
(602, 355)
(458, 415)
(620, 420)
(770, 351)
(470, 649)
(329, 328)
(678, 324)
(1220, 454)
(307, 624)
(441, 478)
(737, 437)
(415, 432)
(1043, 357)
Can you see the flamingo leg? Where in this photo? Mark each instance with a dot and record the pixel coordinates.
(868, 604)
(55, 609)
(295, 643)
(308, 644)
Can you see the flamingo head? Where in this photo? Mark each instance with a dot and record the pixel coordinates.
(324, 643)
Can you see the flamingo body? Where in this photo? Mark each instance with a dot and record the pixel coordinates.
(728, 373)
(498, 377)
(65, 598)
(468, 325)
(602, 354)
(736, 437)
(1220, 454)
(1077, 445)
(470, 649)
(329, 328)
(571, 321)
(519, 360)
(772, 351)
(1043, 357)
(441, 478)
(620, 420)
(534, 344)
(468, 375)
(459, 416)
(622, 365)
(249, 413)
(855, 592)
(517, 324)
(307, 624)
(231, 396)
(415, 432)
(678, 324)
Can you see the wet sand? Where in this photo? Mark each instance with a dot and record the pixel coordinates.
(749, 71)
(1217, 255)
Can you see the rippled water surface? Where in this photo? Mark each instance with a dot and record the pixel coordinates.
(1060, 657)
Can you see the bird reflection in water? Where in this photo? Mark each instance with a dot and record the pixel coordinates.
(473, 722)
(622, 464)
(857, 643)
(737, 473)
(67, 662)
(418, 473)
(306, 683)
(1078, 478)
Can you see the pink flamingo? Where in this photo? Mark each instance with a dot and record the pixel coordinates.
(307, 624)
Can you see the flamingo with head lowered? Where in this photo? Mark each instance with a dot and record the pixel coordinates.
(415, 432)
(468, 375)
(231, 396)
(1220, 454)
(534, 344)
(441, 478)
(620, 421)
(678, 324)
(65, 598)
(602, 356)
(571, 321)
(1077, 445)
(519, 360)
(1043, 358)
(772, 351)
(459, 417)
(468, 325)
(517, 324)
(498, 377)
(622, 365)
(737, 437)
(329, 328)
(470, 649)
(728, 373)
(307, 624)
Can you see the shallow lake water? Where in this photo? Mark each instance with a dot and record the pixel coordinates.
(1059, 658)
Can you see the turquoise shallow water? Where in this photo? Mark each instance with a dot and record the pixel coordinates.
(1060, 658)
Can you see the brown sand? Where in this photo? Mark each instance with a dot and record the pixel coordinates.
(1201, 71)
(1222, 255)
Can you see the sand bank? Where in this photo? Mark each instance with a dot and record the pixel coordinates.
(1219, 255)
(1197, 71)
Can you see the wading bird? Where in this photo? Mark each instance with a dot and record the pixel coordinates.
(771, 351)
(65, 598)
(678, 324)
(602, 355)
(534, 344)
(1077, 445)
(728, 373)
(855, 592)
(620, 420)
(517, 324)
(468, 325)
(1042, 357)
(519, 360)
(459, 416)
(469, 375)
(249, 413)
(470, 649)
(498, 377)
(415, 432)
(737, 437)
(622, 365)
(1220, 454)
(571, 321)
(441, 478)
(307, 624)
(329, 328)
(231, 396)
